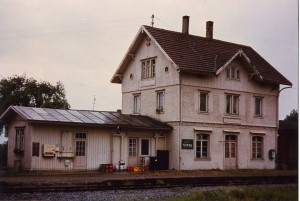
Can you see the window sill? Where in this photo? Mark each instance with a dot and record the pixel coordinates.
(203, 112)
(257, 159)
(148, 78)
(19, 151)
(233, 79)
(258, 116)
(159, 111)
(202, 159)
(231, 115)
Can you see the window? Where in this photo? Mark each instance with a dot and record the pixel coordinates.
(202, 146)
(19, 144)
(257, 147)
(137, 103)
(233, 73)
(203, 101)
(258, 106)
(35, 149)
(160, 101)
(148, 68)
(132, 146)
(80, 144)
(232, 104)
(145, 147)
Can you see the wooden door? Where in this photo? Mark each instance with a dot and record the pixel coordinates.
(230, 152)
(80, 151)
(132, 151)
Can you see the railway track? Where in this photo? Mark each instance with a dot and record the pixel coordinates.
(147, 183)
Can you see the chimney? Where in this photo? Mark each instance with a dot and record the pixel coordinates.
(209, 29)
(185, 24)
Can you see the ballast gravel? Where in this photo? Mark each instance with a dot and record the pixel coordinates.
(117, 195)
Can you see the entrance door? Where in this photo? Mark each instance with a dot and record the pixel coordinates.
(80, 155)
(230, 152)
(132, 152)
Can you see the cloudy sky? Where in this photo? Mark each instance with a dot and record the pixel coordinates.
(81, 43)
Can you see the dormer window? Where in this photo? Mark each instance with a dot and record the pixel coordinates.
(233, 73)
(148, 68)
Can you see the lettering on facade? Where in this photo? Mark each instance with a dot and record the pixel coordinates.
(187, 144)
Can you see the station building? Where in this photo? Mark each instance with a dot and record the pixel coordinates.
(207, 103)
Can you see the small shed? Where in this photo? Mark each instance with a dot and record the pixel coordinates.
(56, 139)
(287, 156)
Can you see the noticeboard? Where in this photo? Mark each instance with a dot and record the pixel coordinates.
(187, 143)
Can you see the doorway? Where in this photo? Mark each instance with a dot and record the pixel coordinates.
(80, 154)
(230, 161)
(132, 151)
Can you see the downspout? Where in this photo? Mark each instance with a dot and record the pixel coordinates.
(277, 115)
(180, 119)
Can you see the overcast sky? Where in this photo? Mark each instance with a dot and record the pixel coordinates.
(81, 43)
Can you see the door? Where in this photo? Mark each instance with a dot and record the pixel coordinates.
(230, 152)
(132, 152)
(80, 151)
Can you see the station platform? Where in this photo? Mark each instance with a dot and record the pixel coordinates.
(94, 180)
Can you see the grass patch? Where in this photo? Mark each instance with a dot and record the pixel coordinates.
(288, 193)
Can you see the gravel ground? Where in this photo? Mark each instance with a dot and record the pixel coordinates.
(145, 194)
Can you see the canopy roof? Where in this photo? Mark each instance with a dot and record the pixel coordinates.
(84, 117)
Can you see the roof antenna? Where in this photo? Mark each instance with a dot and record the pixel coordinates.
(94, 102)
(152, 20)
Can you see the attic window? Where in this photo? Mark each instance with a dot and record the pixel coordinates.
(131, 76)
(233, 73)
(148, 68)
(166, 69)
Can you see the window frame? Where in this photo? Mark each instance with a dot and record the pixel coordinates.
(260, 112)
(206, 93)
(233, 73)
(136, 103)
(160, 104)
(233, 104)
(19, 140)
(148, 68)
(254, 147)
(132, 147)
(80, 143)
(199, 140)
(142, 149)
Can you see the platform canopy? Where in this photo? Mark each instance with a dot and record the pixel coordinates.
(84, 117)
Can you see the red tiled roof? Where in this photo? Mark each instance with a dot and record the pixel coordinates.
(195, 54)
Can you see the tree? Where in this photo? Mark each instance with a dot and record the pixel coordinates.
(293, 116)
(20, 90)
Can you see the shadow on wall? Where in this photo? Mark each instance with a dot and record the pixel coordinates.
(3, 155)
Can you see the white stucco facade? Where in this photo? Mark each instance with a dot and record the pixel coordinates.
(182, 111)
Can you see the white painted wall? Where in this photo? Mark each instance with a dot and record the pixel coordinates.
(185, 120)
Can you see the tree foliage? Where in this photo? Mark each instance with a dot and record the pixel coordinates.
(24, 91)
(293, 116)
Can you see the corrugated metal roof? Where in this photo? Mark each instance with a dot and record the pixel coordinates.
(85, 117)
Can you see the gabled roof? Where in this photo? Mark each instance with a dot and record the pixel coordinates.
(84, 117)
(195, 54)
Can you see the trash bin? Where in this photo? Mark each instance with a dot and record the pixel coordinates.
(153, 163)
(163, 159)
